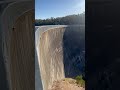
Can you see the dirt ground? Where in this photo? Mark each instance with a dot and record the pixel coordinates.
(66, 84)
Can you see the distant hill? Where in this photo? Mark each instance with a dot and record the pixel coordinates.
(67, 20)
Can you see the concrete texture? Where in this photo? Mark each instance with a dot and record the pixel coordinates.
(3, 74)
(60, 53)
(38, 82)
(22, 53)
(18, 44)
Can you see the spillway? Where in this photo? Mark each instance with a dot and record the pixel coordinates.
(60, 53)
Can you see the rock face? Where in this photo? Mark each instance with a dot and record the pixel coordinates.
(74, 51)
(60, 54)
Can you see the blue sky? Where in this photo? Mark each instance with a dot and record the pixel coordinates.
(58, 8)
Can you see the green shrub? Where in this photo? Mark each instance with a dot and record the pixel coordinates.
(80, 81)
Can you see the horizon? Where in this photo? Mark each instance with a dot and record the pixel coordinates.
(58, 8)
(57, 17)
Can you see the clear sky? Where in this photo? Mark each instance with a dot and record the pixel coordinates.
(58, 8)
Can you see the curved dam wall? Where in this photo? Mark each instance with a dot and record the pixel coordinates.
(59, 53)
(18, 45)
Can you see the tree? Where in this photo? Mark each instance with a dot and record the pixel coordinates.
(67, 20)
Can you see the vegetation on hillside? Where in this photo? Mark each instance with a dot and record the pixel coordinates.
(67, 20)
(80, 81)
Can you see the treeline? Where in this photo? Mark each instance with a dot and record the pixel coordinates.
(67, 20)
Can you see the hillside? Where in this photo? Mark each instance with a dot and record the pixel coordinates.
(67, 20)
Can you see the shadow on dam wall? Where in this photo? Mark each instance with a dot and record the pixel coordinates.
(38, 83)
(61, 52)
(3, 74)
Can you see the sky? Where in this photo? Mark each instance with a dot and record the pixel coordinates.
(57, 8)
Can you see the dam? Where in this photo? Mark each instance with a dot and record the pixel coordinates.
(17, 54)
(60, 53)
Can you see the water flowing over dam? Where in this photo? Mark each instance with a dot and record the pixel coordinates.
(60, 53)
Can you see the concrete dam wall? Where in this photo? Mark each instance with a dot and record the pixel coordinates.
(18, 52)
(60, 52)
